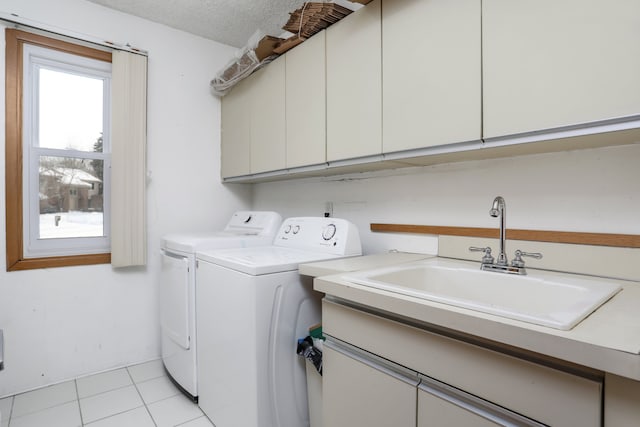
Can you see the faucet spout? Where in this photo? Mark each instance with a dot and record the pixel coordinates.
(499, 209)
(501, 265)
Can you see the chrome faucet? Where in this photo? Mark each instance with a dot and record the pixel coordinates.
(499, 209)
(501, 265)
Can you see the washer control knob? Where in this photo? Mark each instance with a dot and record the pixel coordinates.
(287, 229)
(329, 231)
(296, 229)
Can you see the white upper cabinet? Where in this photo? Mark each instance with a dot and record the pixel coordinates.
(549, 64)
(431, 68)
(253, 123)
(354, 85)
(268, 133)
(306, 103)
(236, 131)
(399, 77)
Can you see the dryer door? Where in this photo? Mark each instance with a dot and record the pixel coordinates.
(174, 298)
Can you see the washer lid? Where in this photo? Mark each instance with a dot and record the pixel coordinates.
(192, 242)
(262, 260)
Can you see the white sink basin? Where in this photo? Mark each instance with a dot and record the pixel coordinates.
(555, 300)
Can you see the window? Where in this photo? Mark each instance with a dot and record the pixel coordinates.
(65, 149)
(57, 152)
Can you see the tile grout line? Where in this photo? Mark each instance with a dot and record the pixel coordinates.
(109, 391)
(13, 399)
(11, 414)
(75, 383)
(112, 415)
(135, 384)
(104, 392)
(193, 419)
(115, 389)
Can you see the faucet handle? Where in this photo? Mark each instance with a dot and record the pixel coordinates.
(519, 262)
(487, 258)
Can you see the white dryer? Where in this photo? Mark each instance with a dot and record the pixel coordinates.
(252, 307)
(177, 286)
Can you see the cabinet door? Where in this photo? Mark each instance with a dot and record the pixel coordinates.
(236, 131)
(354, 85)
(431, 73)
(306, 103)
(435, 412)
(360, 394)
(440, 405)
(268, 134)
(621, 402)
(548, 64)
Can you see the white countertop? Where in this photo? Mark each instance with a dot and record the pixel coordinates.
(366, 262)
(608, 340)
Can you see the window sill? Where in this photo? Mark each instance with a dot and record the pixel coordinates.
(60, 261)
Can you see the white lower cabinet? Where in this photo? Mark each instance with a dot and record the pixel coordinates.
(358, 391)
(622, 402)
(435, 411)
(440, 405)
(382, 372)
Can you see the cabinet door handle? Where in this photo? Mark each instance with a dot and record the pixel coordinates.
(373, 361)
(480, 407)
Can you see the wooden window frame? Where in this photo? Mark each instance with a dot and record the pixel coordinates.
(15, 39)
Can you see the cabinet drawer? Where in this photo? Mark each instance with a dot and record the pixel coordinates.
(441, 405)
(358, 393)
(538, 392)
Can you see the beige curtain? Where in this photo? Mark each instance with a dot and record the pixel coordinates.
(128, 159)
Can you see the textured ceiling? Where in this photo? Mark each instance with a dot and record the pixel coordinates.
(231, 22)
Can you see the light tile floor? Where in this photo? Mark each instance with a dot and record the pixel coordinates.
(136, 396)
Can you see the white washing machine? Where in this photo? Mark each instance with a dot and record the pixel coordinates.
(177, 287)
(252, 307)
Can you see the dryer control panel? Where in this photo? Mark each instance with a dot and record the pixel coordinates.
(326, 235)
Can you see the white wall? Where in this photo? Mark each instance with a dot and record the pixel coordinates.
(66, 322)
(594, 190)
